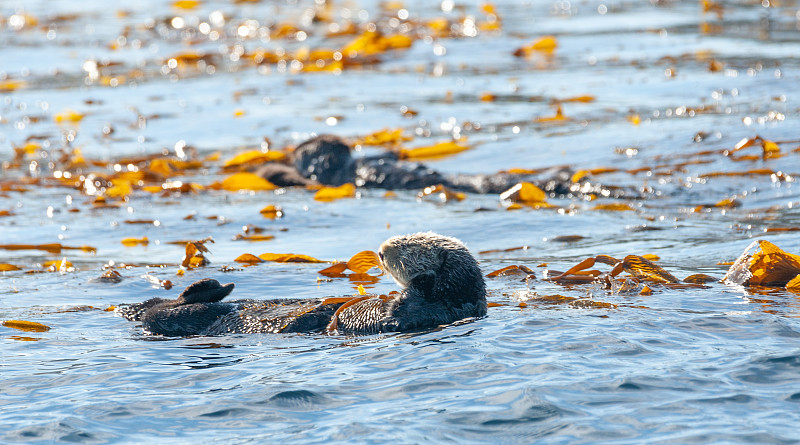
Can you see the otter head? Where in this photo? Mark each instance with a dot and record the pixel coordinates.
(439, 267)
(325, 159)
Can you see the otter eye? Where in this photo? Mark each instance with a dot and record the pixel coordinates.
(380, 255)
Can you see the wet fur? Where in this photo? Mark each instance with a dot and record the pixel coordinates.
(441, 283)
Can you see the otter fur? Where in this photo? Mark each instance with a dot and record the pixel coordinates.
(441, 283)
(327, 159)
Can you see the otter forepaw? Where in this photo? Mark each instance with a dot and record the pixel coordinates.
(206, 290)
(424, 282)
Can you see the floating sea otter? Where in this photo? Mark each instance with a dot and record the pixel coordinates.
(327, 160)
(441, 283)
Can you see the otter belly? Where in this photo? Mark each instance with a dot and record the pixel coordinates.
(275, 316)
(169, 318)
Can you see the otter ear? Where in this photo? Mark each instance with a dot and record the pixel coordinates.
(425, 282)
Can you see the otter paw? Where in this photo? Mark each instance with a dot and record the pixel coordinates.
(206, 290)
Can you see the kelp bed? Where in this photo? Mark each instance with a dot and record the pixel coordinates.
(130, 136)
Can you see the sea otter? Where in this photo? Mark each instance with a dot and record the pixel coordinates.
(441, 283)
(327, 160)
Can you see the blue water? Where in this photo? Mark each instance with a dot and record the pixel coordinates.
(701, 365)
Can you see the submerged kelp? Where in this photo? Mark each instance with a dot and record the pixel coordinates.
(131, 138)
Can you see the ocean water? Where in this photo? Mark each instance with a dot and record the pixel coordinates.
(667, 88)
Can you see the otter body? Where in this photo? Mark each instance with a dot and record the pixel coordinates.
(327, 160)
(441, 283)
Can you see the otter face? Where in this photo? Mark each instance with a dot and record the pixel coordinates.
(325, 159)
(406, 257)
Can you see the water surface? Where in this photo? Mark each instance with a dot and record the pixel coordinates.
(669, 83)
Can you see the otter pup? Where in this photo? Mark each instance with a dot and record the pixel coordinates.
(441, 283)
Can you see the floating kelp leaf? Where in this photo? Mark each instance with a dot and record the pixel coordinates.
(68, 116)
(156, 282)
(578, 272)
(361, 290)
(524, 192)
(546, 45)
(62, 266)
(615, 207)
(487, 97)
(154, 222)
(171, 166)
(335, 270)
(100, 202)
(288, 258)
(769, 149)
(651, 257)
(110, 276)
(207, 239)
(373, 42)
(441, 192)
(190, 60)
(527, 194)
(581, 174)
(715, 65)
(271, 212)
(27, 326)
(251, 229)
(646, 270)
(5, 267)
(519, 270)
(332, 193)
(752, 172)
(781, 229)
(194, 256)
(435, 151)
(794, 284)
(363, 261)
(7, 86)
(253, 238)
(385, 137)
(363, 278)
(246, 181)
(581, 99)
(52, 248)
(712, 6)
(238, 112)
(769, 266)
(248, 258)
(130, 242)
(112, 81)
(729, 203)
(23, 338)
(585, 303)
(554, 299)
(492, 22)
(254, 157)
(699, 278)
(324, 65)
(174, 187)
(186, 4)
(510, 249)
(558, 117)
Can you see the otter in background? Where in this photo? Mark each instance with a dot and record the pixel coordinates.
(327, 160)
(440, 280)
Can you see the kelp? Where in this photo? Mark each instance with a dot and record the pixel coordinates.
(768, 265)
